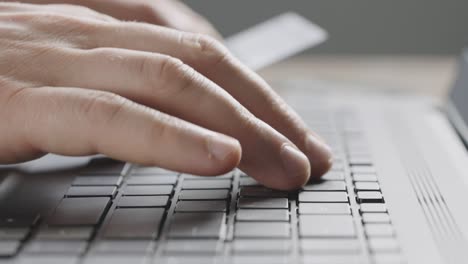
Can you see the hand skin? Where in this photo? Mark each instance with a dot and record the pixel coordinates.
(77, 82)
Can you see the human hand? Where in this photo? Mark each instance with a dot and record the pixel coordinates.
(77, 82)
(168, 13)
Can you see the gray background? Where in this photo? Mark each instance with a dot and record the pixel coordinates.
(357, 26)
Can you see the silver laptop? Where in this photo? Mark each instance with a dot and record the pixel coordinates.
(397, 193)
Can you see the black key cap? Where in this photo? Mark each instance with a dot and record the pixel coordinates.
(103, 166)
(133, 190)
(373, 208)
(65, 233)
(80, 211)
(266, 203)
(56, 247)
(197, 225)
(369, 197)
(367, 186)
(326, 226)
(258, 191)
(201, 206)
(220, 194)
(18, 220)
(362, 169)
(143, 201)
(129, 247)
(152, 180)
(379, 218)
(324, 208)
(364, 177)
(326, 186)
(141, 223)
(91, 191)
(97, 181)
(207, 184)
(140, 170)
(323, 197)
(262, 230)
(266, 215)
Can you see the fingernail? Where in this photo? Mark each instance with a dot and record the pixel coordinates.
(319, 153)
(221, 147)
(295, 163)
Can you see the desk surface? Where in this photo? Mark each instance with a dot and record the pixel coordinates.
(431, 75)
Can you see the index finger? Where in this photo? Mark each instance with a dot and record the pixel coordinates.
(210, 58)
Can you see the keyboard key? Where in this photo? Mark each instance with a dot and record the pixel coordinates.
(143, 201)
(324, 208)
(220, 194)
(335, 245)
(122, 246)
(198, 177)
(103, 166)
(141, 223)
(326, 186)
(47, 259)
(367, 186)
(8, 248)
(152, 180)
(19, 220)
(389, 258)
(373, 208)
(97, 181)
(379, 230)
(333, 176)
(364, 177)
(91, 191)
(278, 246)
(192, 246)
(319, 197)
(258, 259)
(80, 211)
(258, 191)
(13, 233)
(197, 225)
(142, 170)
(261, 230)
(326, 226)
(115, 259)
(56, 247)
(201, 206)
(383, 245)
(262, 215)
(337, 167)
(207, 184)
(369, 197)
(375, 218)
(266, 203)
(360, 160)
(362, 169)
(65, 233)
(248, 182)
(350, 258)
(144, 190)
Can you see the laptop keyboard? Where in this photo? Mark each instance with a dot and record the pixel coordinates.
(131, 214)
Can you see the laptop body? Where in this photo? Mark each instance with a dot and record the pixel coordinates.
(397, 193)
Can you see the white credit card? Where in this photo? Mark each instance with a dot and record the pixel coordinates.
(275, 39)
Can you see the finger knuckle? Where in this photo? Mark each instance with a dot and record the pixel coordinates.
(176, 75)
(104, 107)
(211, 50)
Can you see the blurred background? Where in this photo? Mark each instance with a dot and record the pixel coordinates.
(397, 45)
(357, 26)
